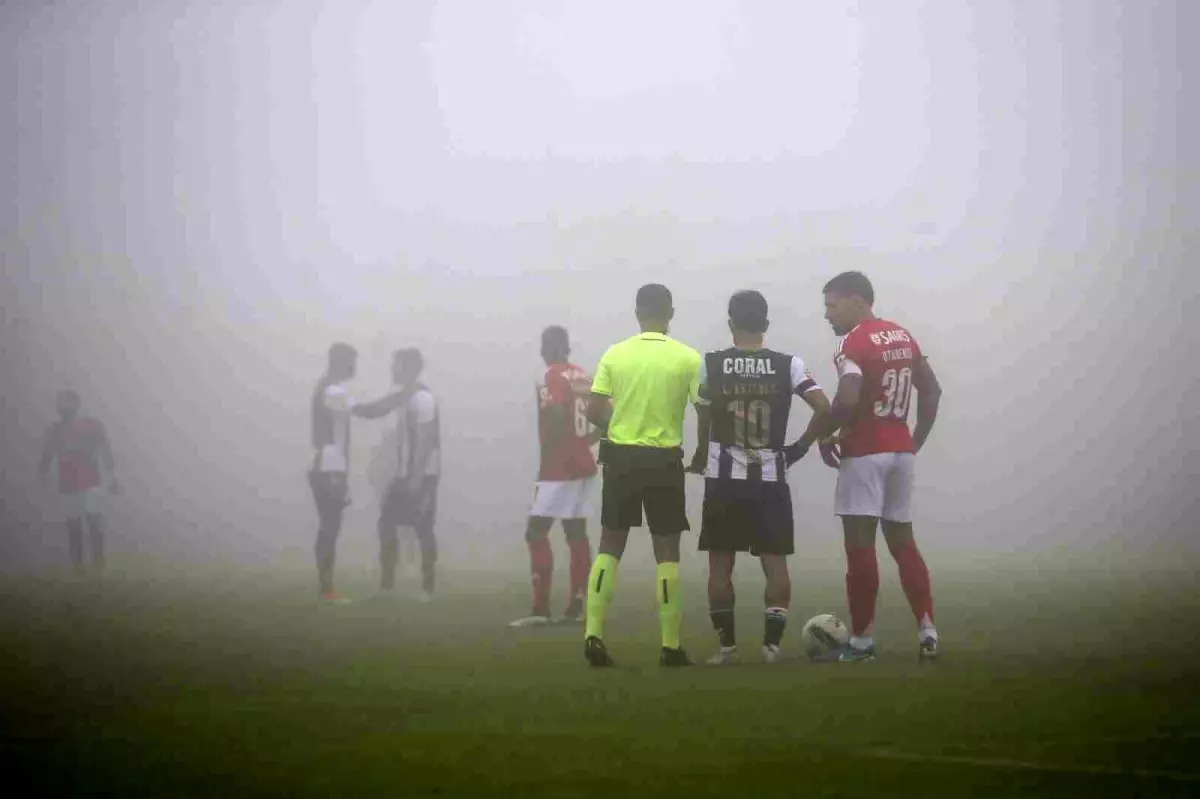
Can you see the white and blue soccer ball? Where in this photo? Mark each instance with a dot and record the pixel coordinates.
(823, 635)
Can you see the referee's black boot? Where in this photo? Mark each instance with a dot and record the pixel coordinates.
(674, 657)
(595, 652)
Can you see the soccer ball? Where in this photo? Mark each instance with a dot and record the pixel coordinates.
(823, 634)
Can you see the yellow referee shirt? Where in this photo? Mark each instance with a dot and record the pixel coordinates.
(651, 378)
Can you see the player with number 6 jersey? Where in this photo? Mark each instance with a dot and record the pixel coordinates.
(565, 478)
(879, 364)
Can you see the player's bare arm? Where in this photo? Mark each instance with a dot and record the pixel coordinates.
(819, 403)
(703, 433)
(845, 401)
(377, 409)
(929, 395)
(841, 413)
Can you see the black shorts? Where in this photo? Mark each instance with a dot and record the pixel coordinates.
(740, 516)
(330, 493)
(402, 506)
(643, 477)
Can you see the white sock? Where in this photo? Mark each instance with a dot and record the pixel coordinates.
(927, 632)
(862, 641)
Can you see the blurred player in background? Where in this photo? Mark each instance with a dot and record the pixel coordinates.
(746, 394)
(411, 498)
(878, 363)
(565, 477)
(80, 446)
(331, 409)
(639, 399)
(380, 473)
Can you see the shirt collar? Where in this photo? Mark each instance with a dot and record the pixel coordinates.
(653, 336)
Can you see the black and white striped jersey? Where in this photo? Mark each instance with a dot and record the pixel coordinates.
(749, 393)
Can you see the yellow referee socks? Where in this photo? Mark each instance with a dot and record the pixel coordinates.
(601, 584)
(670, 612)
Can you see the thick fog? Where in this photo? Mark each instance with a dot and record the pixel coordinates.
(200, 197)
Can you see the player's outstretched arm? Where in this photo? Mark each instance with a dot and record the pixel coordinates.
(929, 395)
(379, 408)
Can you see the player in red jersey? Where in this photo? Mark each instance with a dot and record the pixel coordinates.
(879, 363)
(565, 478)
(80, 446)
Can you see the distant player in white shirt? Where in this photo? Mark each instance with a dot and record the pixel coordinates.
(411, 498)
(332, 406)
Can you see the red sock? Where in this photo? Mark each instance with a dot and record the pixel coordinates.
(862, 586)
(541, 567)
(581, 566)
(914, 579)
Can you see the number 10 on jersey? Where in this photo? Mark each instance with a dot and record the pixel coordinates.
(751, 423)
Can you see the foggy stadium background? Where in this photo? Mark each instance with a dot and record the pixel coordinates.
(199, 197)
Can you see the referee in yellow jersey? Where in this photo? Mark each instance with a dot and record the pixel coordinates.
(639, 397)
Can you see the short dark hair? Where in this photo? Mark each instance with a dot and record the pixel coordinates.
(410, 358)
(341, 351)
(555, 338)
(748, 311)
(851, 284)
(654, 300)
(70, 395)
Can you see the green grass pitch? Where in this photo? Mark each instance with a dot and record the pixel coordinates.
(210, 684)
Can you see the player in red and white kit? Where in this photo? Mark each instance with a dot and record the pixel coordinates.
(565, 478)
(879, 363)
(79, 444)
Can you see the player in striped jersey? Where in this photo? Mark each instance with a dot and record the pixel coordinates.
(747, 504)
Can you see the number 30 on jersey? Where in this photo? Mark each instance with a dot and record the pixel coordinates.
(897, 388)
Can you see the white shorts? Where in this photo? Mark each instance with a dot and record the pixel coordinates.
(879, 485)
(562, 499)
(80, 504)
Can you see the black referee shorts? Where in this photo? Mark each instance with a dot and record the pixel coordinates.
(643, 477)
(742, 516)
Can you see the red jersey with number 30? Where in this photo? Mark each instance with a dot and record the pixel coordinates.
(884, 354)
(565, 387)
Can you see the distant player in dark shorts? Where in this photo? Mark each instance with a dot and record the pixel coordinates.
(639, 397)
(747, 392)
(411, 498)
